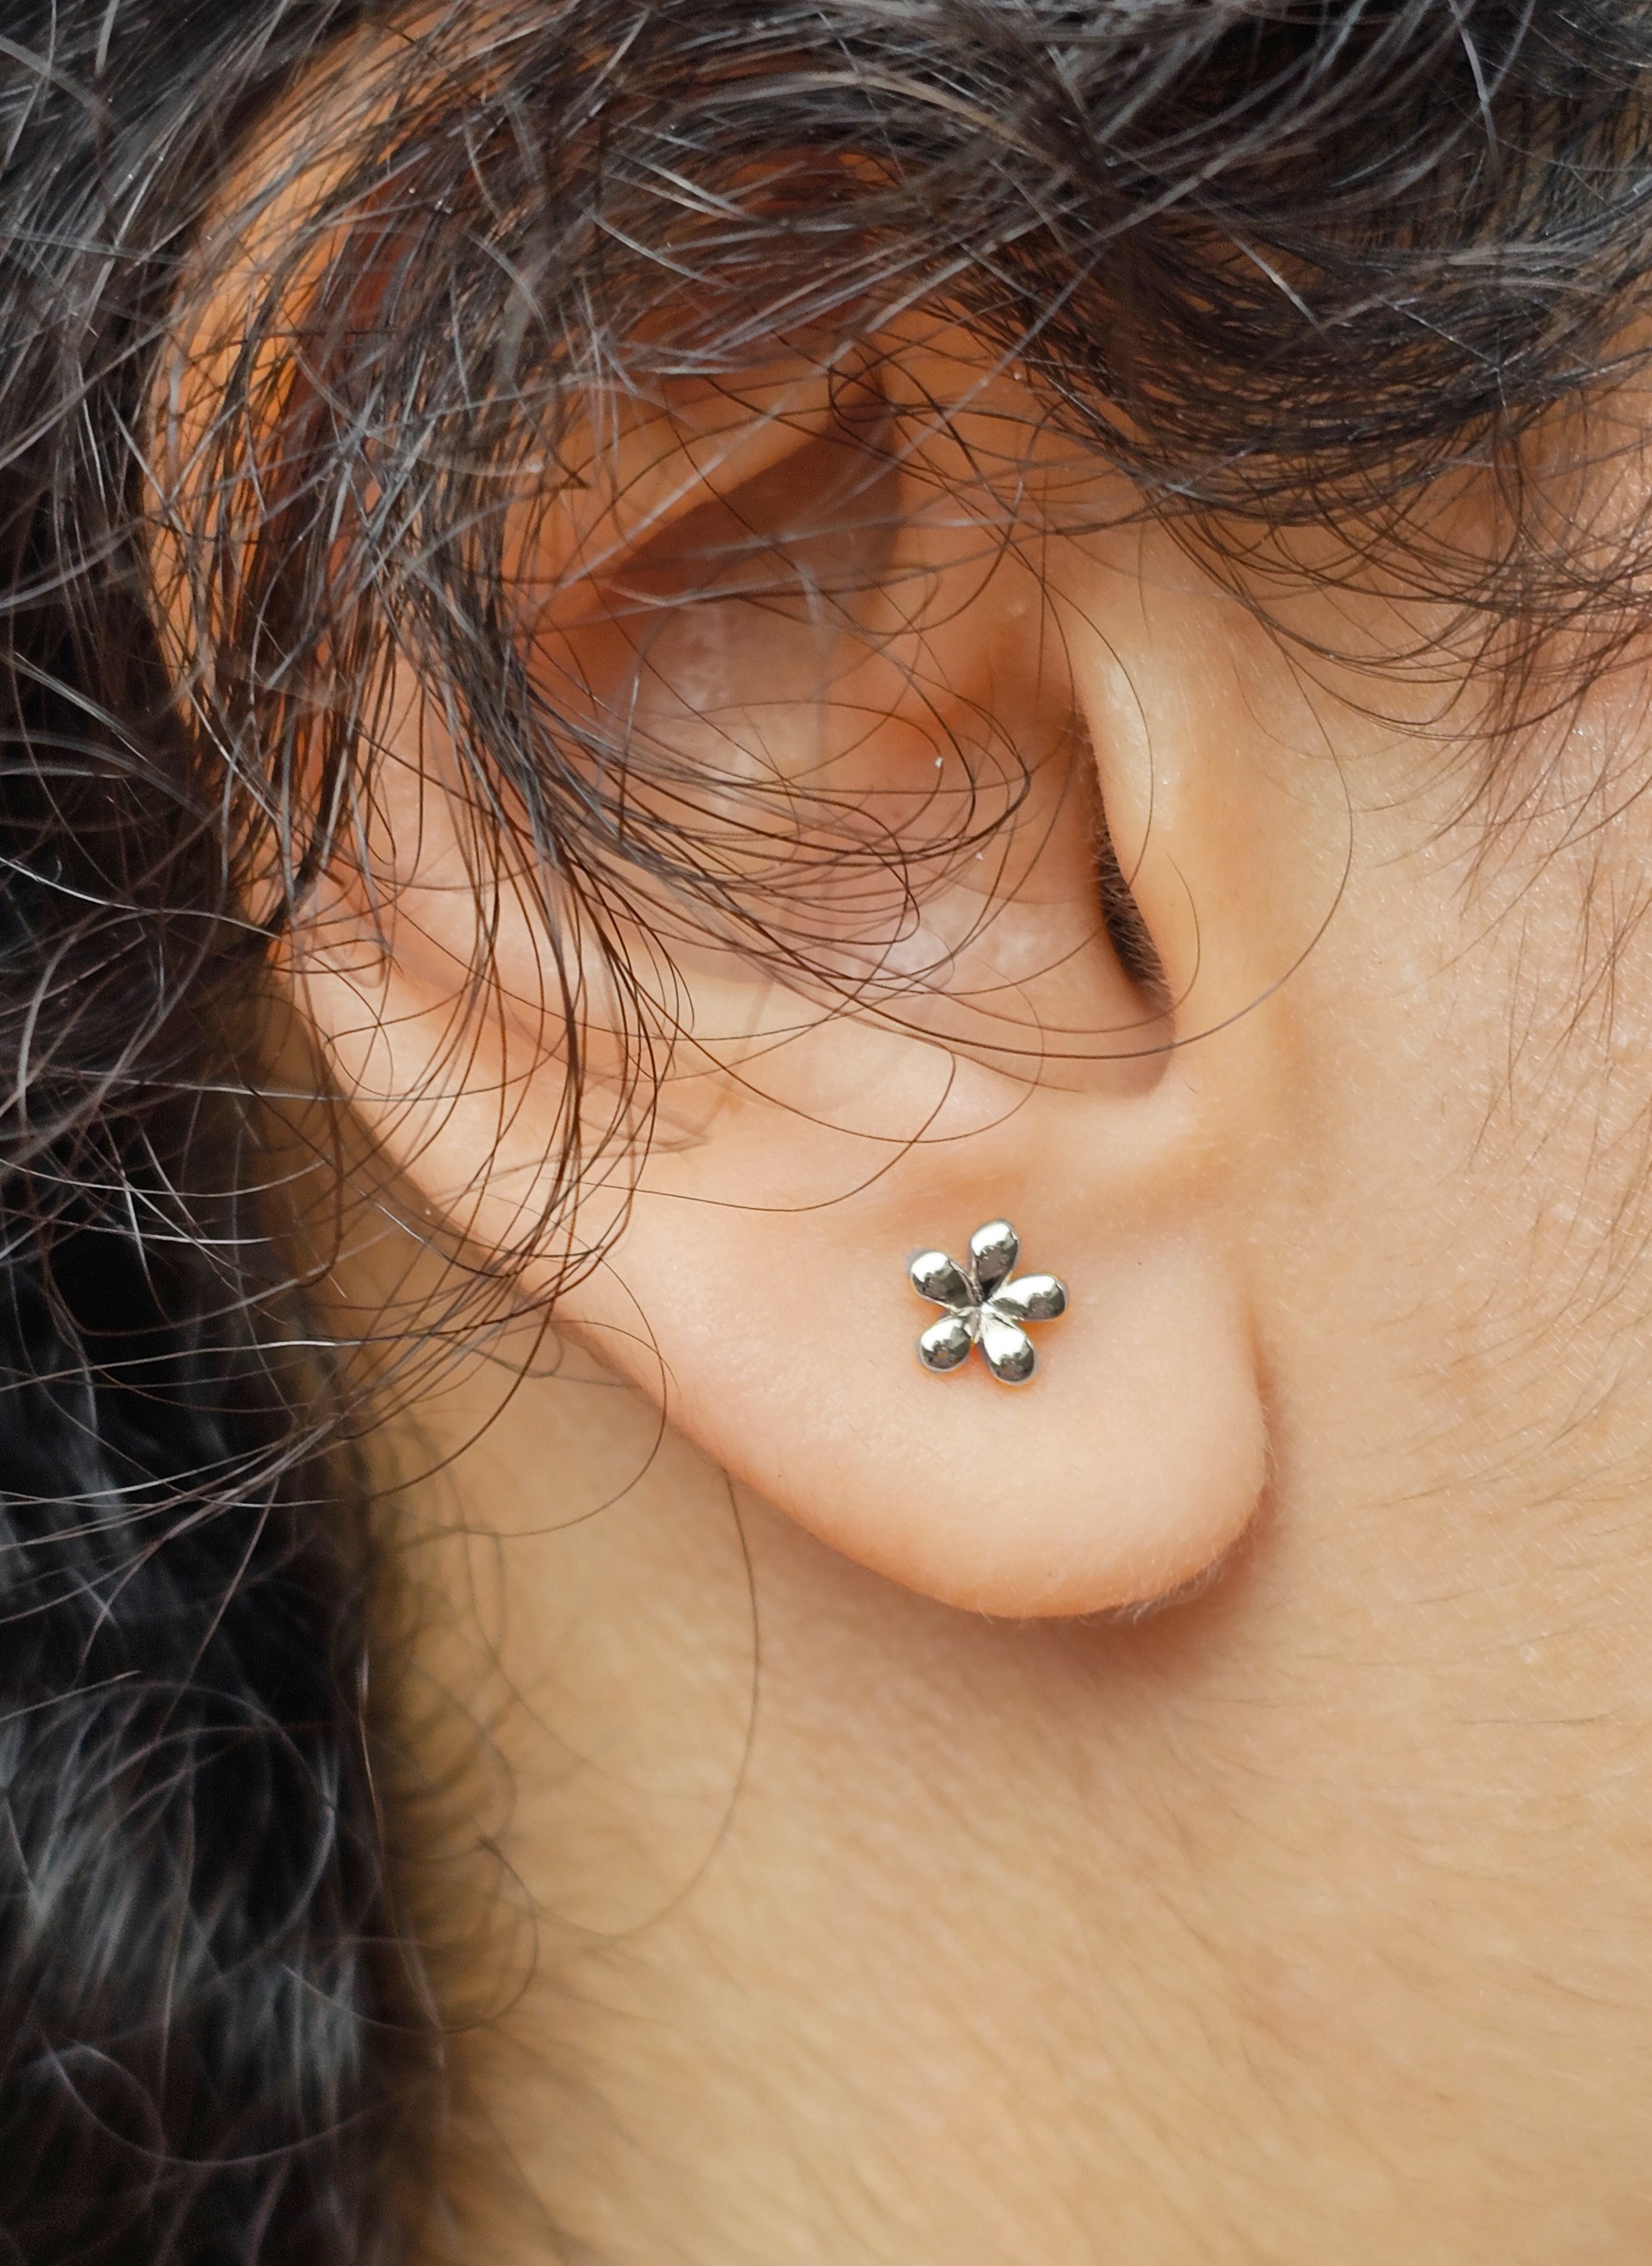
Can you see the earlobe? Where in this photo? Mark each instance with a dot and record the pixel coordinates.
(1131, 1463)
(756, 1278)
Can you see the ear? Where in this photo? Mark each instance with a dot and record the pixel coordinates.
(1082, 1031)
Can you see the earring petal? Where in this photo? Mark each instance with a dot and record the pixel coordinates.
(1008, 1349)
(945, 1344)
(942, 1280)
(993, 1251)
(1031, 1298)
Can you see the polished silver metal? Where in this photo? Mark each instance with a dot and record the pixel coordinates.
(984, 1307)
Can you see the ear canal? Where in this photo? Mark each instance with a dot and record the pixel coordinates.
(1122, 916)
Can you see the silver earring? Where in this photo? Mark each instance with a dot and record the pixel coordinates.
(984, 1307)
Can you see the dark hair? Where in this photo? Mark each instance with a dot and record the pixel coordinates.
(1283, 263)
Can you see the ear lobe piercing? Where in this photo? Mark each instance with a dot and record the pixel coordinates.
(984, 1307)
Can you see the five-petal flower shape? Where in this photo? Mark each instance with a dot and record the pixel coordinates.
(983, 1306)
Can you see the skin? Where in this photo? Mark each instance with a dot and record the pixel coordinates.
(1303, 1918)
(828, 1863)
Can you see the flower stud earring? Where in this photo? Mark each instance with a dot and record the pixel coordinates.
(983, 1306)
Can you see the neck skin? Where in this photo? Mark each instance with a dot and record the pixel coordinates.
(1303, 1919)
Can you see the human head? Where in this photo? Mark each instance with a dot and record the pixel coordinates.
(780, 636)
